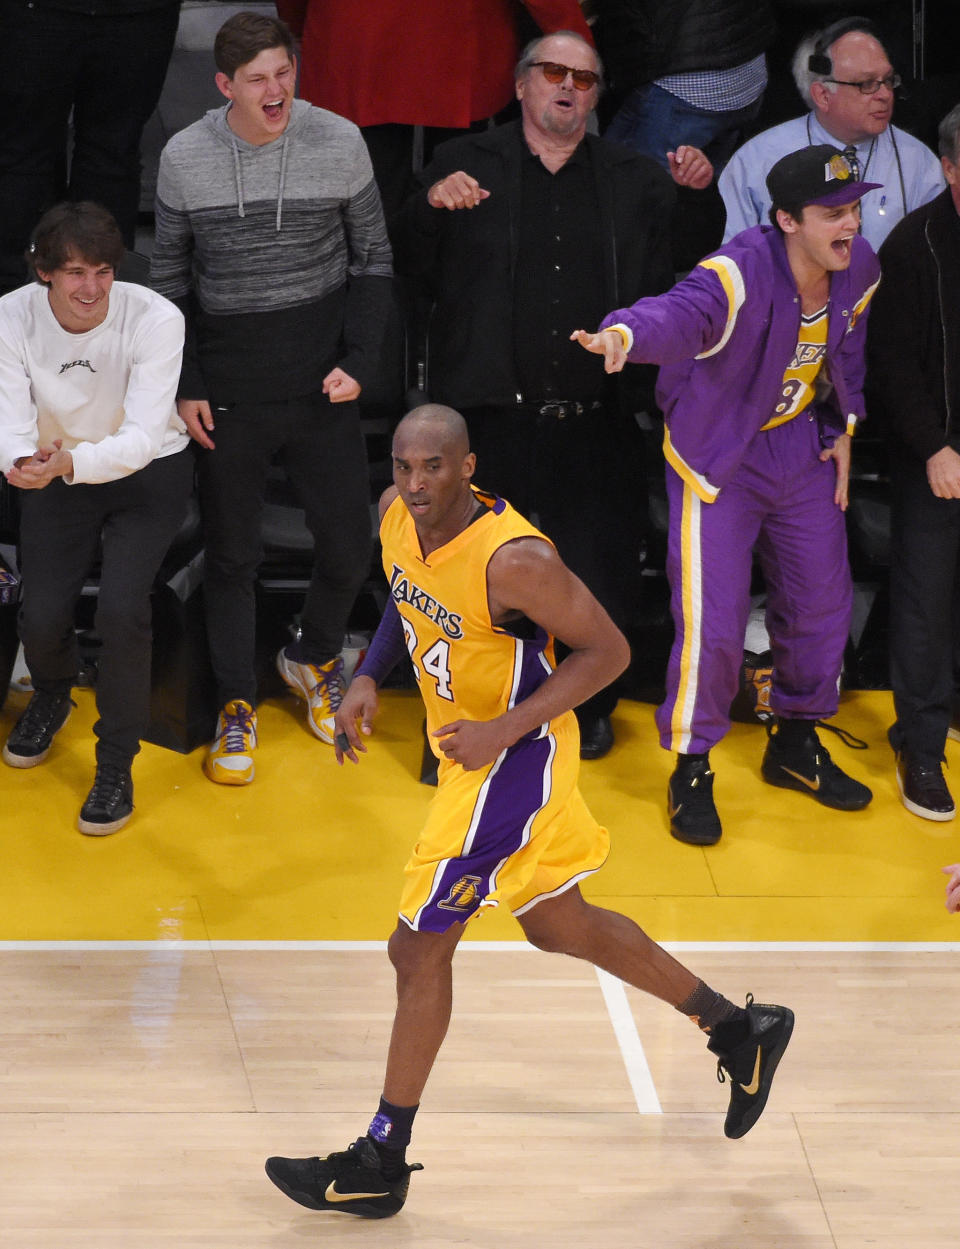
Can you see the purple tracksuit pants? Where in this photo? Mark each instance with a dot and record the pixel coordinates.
(780, 501)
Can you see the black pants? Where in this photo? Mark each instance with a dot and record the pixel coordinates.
(133, 520)
(581, 477)
(109, 70)
(320, 445)
(925, 546)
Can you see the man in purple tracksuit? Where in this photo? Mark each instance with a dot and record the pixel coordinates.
(762, 355)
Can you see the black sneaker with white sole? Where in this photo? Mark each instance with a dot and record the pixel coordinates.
(923, 790)
(109, 804)
(751, 1064)
(32, 736)
(352, 1181)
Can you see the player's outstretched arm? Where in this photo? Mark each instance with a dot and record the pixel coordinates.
(527, 577)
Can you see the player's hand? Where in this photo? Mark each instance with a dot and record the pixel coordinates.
(608, 343)
(340, 387)
(456, 190)
(953, 886)
(198, 418)
(840, 454)
(689, 167)
(360, 703)
(943, 473)
(472, 743)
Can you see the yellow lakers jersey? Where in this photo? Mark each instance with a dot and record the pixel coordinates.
(467, 667)
(800, 375)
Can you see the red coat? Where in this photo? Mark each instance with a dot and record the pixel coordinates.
(426, 63)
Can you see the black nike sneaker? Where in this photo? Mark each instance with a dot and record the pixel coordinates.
(351, 1181)
(690, 805)
(801, 761)
(751, 1064)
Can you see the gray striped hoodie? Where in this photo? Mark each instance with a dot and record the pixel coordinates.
(277, 254)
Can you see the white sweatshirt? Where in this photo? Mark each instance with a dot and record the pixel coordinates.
(108, 393)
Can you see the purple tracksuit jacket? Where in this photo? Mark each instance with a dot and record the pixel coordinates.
(724, 336)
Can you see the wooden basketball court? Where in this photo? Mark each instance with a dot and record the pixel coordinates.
(209, 986)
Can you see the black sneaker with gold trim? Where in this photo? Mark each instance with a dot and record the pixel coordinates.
(751, 1064)
(690, 806)
(352, 1181)
(795, 758)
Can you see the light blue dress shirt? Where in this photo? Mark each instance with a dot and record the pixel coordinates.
(909, 171)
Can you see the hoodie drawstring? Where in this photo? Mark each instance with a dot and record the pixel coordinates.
(282, 180)
(238, 177)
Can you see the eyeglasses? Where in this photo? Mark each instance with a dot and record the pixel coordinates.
(583, 79)
(870, 86)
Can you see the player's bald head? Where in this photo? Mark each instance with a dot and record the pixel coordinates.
(436, 425)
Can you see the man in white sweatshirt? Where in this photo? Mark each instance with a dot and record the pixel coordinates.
(90, 436)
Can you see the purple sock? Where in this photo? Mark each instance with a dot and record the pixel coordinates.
(391, 1126)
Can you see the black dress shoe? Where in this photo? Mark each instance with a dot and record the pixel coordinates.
(923, 790)
(596, 737)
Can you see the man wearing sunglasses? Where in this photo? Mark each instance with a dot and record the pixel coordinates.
(844, 74)
(521, 232)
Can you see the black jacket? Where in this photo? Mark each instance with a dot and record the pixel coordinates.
(913, 337)
(641, 40)
(469, 256)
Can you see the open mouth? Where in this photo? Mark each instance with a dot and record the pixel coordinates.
(274, 109)
(842, 246)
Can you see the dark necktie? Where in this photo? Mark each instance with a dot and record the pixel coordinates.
(851, 156)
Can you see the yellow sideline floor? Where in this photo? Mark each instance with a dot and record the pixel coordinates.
(209, 987)
(311, 851)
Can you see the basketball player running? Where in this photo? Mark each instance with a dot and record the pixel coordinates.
(477, 596)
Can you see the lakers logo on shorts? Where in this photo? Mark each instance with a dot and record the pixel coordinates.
(463, 894)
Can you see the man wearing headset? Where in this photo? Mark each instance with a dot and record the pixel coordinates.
(844, 73)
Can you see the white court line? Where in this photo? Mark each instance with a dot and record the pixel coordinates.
(614, 994)
(631, 1049)
(508, 947)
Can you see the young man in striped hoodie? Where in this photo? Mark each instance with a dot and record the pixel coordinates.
(270, 237)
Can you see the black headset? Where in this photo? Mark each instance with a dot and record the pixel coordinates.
(819, 60)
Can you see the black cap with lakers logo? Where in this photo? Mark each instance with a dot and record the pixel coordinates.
(820, 174)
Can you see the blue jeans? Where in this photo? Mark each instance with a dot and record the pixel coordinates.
(653, 121)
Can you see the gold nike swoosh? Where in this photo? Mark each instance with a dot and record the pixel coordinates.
(805, 780)
(751, 1088)
(334, 1196)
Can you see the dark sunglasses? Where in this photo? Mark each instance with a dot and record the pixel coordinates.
(583, 79)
